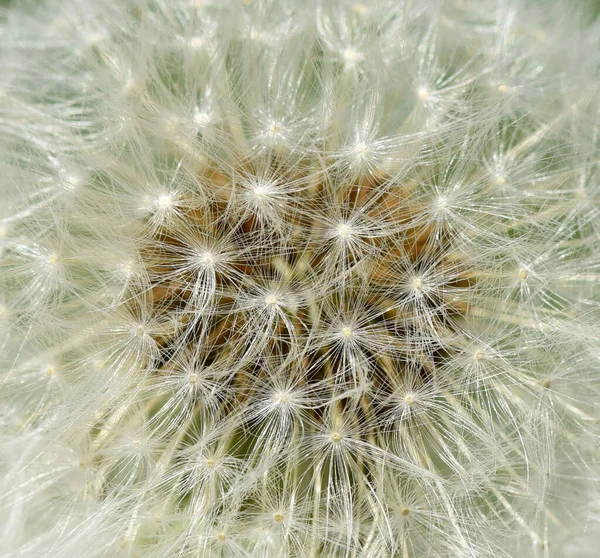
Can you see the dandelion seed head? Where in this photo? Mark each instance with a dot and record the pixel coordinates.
(288, 279)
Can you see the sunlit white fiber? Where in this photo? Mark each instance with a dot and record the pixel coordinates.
(299, 278)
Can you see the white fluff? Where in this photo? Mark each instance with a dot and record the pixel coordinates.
(299, 278)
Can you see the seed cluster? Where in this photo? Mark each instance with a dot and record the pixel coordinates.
(350, 289)
(302, 305)
(288, 279)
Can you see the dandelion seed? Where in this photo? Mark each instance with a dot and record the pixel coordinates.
(197, 43)
(347, 332)
(360, 9)
(423, 94)
(207, 259)
(164, 201)
(271, 300)
(344, 231)
(202, 119)
(336, 437)
(351, 57)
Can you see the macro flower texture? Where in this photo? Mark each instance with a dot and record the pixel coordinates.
(299, 279)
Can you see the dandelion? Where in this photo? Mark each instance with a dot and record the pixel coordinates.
(299, 279)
